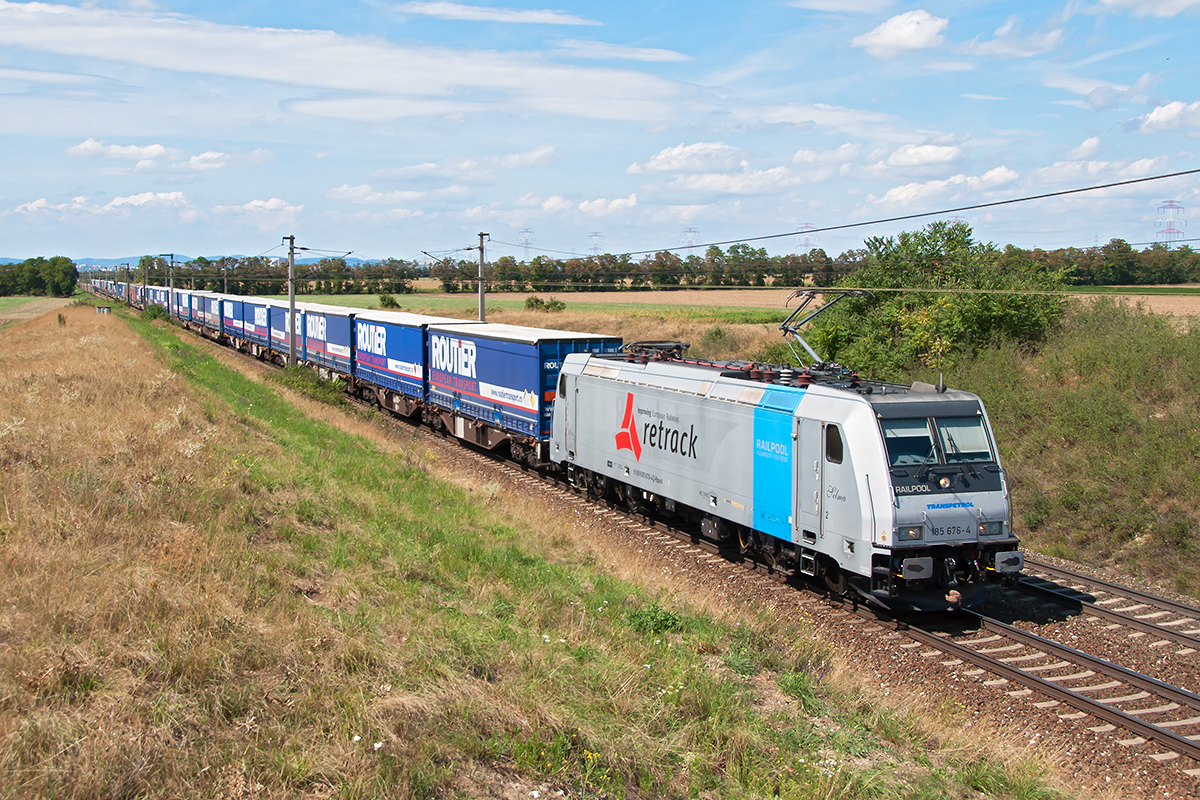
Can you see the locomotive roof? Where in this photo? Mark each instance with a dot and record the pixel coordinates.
(754, 384)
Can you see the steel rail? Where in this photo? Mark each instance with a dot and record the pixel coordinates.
(1116, 589)
(1088, 607)
(1176, 743)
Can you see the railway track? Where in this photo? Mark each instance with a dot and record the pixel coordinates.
(1162, 721)
(1170, 623)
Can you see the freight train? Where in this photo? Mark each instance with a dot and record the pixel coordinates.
(890, 493)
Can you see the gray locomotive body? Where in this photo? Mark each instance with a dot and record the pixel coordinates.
(893, 492)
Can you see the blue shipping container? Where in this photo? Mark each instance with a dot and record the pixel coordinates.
(504, 375)
(390, 349)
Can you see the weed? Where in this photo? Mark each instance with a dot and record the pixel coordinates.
(654, 619)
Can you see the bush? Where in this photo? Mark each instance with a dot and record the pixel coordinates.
(155, 312)
(654, 619)
(941, 296)
(387, 301)
(535, 303)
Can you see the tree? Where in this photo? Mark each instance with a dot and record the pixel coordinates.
(939, 294)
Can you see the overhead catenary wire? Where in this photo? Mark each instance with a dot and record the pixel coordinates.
(901, 217)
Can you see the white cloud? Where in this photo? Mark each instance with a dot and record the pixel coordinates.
(266, 215)
(94, 148)
(1088, 148)
(1009, 43)
(361, 78)
(41, 206)
(205, 162)
(848, 121)
(915, 155)
(842, 6)
(1143, 167)
(698, 157)
(841, 155)
(1170, 117)
(1151, 8)
(365, 194)
(461, 11)
(985, 97)
(602, 207)
(911, 193)
(471, 169)
(750, 181)
(1097, 94)
(1075, 171)
(537, 157)
(148, 200)
(557, 203)
(80, 205)
(603, 50)
(903, 33)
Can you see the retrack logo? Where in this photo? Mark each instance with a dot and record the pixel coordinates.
(627, 439)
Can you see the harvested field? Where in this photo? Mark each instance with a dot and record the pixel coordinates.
(18, 308)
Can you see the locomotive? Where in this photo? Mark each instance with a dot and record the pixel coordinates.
(893, 493)
(887, 492)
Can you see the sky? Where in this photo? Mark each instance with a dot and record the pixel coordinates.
(394, 129)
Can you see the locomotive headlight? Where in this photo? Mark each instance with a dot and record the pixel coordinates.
(991, 528)
(914, 533)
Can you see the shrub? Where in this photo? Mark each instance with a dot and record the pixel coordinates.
(387, 301)
(654, 619)
(155, 312)
(535, 303)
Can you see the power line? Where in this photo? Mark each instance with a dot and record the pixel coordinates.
(902, 217)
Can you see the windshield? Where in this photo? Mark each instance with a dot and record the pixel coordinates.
(908, 442)
(964, 440)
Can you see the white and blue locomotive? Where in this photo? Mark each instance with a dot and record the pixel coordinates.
(890, 492)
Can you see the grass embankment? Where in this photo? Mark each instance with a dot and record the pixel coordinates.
(1100, 432)
(206, 592)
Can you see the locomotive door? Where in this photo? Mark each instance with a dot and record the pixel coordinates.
(809, 476)
(569, 392)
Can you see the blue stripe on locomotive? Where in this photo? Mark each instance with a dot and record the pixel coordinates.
(774, 459)
(391, 356)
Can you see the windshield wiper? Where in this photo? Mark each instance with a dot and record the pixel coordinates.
(961, 458)
(920, 476)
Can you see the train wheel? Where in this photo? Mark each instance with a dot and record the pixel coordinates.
(598, 486)
(835, 579)
(633, 499)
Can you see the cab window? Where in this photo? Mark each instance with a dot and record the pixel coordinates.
(909, 442)
(833, 444)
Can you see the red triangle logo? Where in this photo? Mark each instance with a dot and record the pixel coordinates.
(627, 439)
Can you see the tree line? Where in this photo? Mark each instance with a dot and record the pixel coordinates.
(1115, 263)
(55, 277)
(258, 275)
